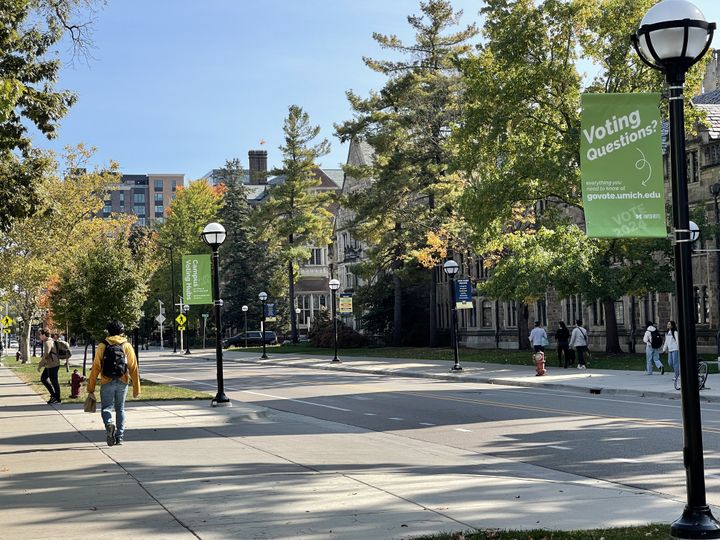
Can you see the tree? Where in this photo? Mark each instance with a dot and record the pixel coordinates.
(519, 143)
(295, 216)
(413, 197)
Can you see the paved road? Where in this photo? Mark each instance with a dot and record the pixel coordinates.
(632, 441)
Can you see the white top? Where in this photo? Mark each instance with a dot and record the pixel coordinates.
(578, 338)
(647, 338)
(536, 335)
(671, 342)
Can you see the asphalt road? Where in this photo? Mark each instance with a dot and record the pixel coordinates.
(631, 441)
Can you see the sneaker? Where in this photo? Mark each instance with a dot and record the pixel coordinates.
(118, 441)
(51, 401)
(580, 366)
(662, 370)
(110, 433)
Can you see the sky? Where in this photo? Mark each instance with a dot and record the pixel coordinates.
(181, 86)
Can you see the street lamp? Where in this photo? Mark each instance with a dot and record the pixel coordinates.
(297, 317)
(245, 310)
(451, 268)
(715, 191)
(672, 37)
(186, 309)
(214, 235)
(334, 286)
(263, 298)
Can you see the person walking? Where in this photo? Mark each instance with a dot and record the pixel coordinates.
(653, 343)
(562, 337)
(672, 346)
(117, 366)
(579, 340)
(538, 337)
(49, 365)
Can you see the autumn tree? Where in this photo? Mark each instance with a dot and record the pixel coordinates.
(411, 202)
(294, 216)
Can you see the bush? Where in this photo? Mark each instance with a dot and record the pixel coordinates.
(322, 334)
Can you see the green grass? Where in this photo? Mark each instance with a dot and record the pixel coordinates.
(149, 390)
(630, 362)
(648, 532)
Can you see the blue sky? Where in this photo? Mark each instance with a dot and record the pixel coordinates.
(179, 86)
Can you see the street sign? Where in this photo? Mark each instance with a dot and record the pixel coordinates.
(180, 319)
(160, 318)
(7, 321)
(181, 328)
(270, 312)
(6, 330)
(463, 294)
(346, 305)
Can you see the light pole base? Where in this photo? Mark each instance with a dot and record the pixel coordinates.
(221, 400)
(336, 360)
(456, 367)
(696, 522)
(188, 352)
(264, 357)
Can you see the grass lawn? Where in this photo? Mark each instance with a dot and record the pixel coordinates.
(149, 390)
(648, 532)
(631, 362)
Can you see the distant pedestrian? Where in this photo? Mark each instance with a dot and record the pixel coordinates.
(562, 337)
(117, 366)
(538, 337)
(49, 365)
(672, 346)
(653, 343)
(579, 340)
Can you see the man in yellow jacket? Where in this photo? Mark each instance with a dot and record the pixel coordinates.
(116, 364)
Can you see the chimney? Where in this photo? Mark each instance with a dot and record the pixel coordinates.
(258, 166)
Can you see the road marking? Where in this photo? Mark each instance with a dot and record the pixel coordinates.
(362, 398)
(426, 424)
(370, 414)
(297, 401)
(395, 418)
(559, 447)
(463, 430)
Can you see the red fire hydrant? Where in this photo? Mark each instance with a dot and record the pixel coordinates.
(75, 382)
(539, 359)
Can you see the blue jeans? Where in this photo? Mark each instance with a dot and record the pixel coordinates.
(112, 394)
(674, 361)
(652, 355)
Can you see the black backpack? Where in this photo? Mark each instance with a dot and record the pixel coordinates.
(656, 340)
(114, 364)
(63, 350)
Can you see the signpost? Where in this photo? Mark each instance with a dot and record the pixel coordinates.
(180, 320)
(205, 318)
(160, 320)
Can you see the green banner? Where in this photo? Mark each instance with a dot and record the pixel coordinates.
(197, 282)
(622, 174)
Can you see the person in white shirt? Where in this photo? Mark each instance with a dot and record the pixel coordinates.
(538, 337)
(579, 340)
(652, 349)
(672, 346)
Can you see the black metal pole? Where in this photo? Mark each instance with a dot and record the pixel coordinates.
(187, 341)
(221, 399)
(245, 329)
(334, 316)
(697, 520)
(453, 326)
(262, 332)
(717, 271)
(172, 284)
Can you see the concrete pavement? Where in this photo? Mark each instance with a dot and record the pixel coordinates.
(188, 470)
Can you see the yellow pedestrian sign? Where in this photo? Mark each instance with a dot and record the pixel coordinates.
(7, 330)
(181, 328)
(6, 321)
(180, 319)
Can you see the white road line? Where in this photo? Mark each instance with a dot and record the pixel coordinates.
(426, 424)
(395, 418)
(370, 414)
(463, 430)
(559, 447)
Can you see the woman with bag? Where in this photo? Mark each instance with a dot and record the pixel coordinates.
(672, 347)
(579, 340)
(538, 337)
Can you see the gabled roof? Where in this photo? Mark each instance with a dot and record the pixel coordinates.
(708, 98)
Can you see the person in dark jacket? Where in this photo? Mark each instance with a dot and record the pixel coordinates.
(562, 337)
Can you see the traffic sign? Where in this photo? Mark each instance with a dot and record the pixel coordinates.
(346, 304)
(180, 319)
(160, 318)
(7, 321)
(181, 328)
(6, 330)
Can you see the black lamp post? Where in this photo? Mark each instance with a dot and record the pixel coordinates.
(297, 318)
(715, 191)
(673, 36)
(451, 268)
(214, 235)
(245, 310)
(186, 310)
(334, 286)
(172, 284)
(263, 298)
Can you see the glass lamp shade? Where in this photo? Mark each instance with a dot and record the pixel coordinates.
(334, 284)
(451, 267)
(673, 31)
(262, 296)
(244, 308)
(213, 234)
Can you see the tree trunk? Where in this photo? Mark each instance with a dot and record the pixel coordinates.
(24, 344)
(523, 326)
(612, 341)
(291, 300)
(432, 334)
(397, 312)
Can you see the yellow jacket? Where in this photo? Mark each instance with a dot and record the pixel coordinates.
(132, 372)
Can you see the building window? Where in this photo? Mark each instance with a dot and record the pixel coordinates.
(487, 314)
(160, 220)
(315, 257)
(159, 210)
(712, 154)
(107, 208)
(598, 313)
(158, 185)
(541, 311)
(139, 210)
(511, 313)
(472, 315)
(693, 174)
(122, 198)
(573, 308)
(705, 306)
(174, 185)
(620, 312)
(698, 304)
(141, 221)
(158, 198)
(139, 198)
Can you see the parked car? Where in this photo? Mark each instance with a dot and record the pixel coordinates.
(254, 338)
(13, 344)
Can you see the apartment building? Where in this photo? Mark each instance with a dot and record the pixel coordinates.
(146, 196)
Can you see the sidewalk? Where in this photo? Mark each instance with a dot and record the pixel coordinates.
(592, 380)
(190, 471)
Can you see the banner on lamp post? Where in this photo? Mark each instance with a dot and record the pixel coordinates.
(621, 166)
(197, 282)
